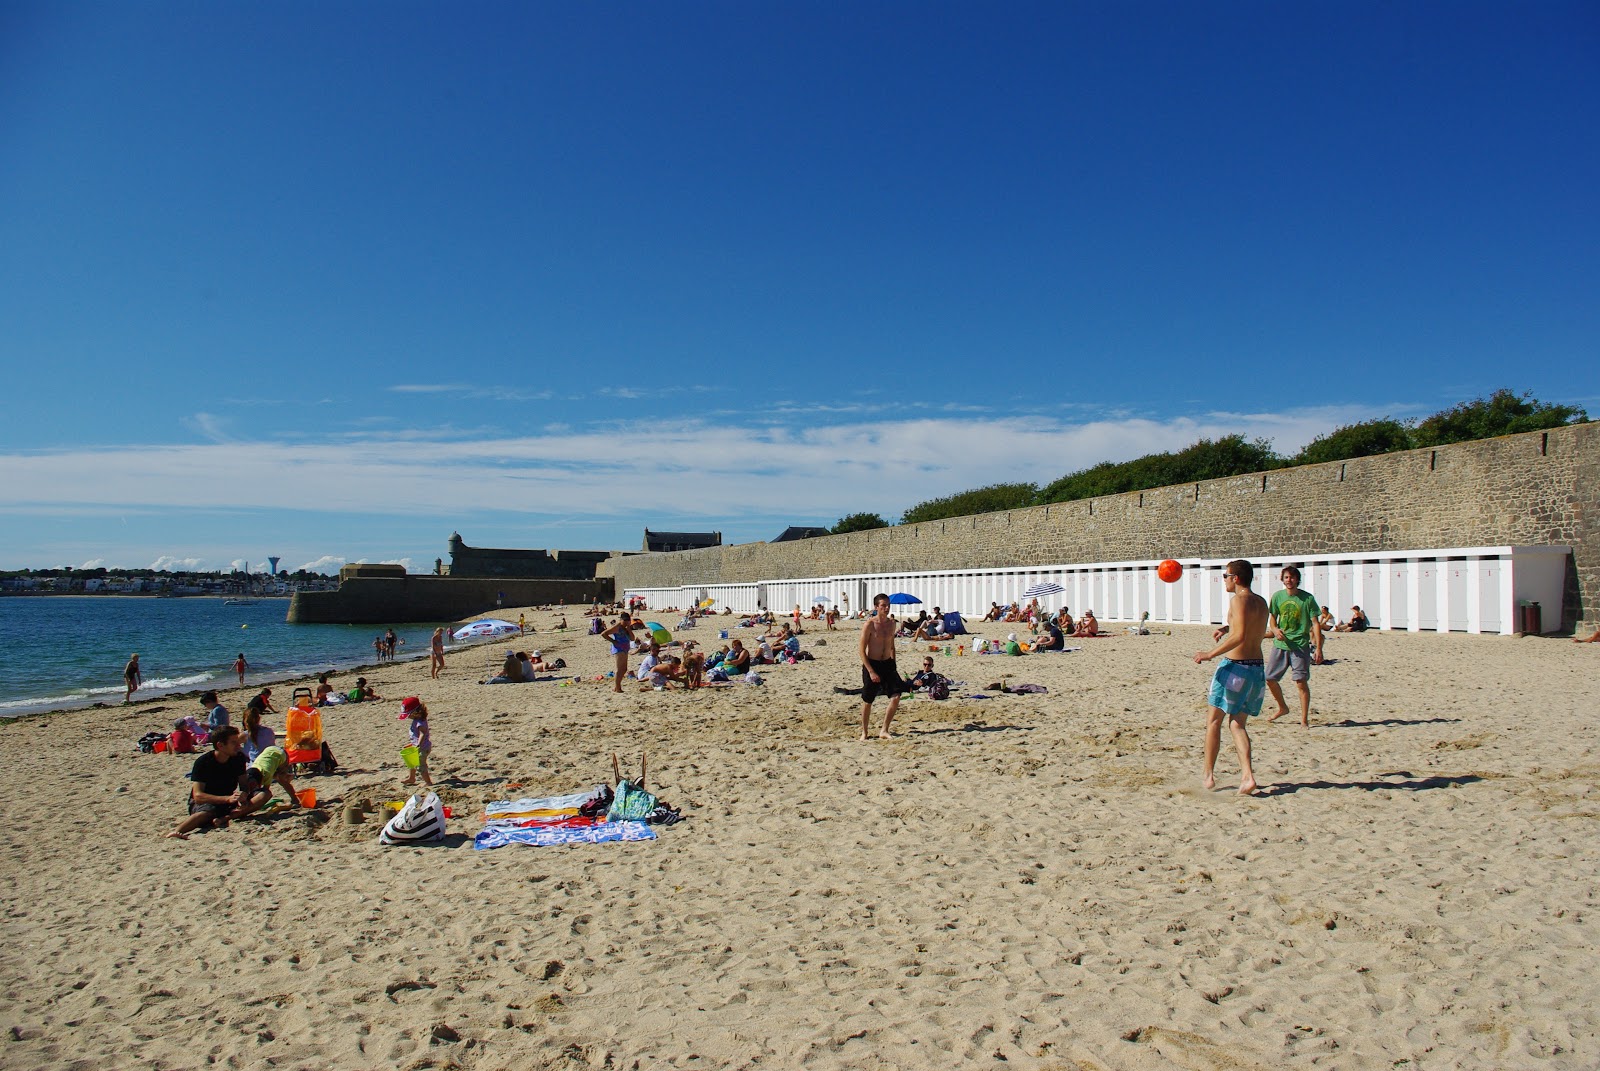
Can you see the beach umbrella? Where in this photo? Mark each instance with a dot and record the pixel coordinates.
(485, 629)
(1041, 590)
(659, 631)
(820, 600)
(900, 598)
(707, 603)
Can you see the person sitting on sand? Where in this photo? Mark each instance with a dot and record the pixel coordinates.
(1050, 637)
(1358, 622)
(216, 713)
(214, 794)
(663, 673)
(1325, 620)
(181, 740)
(933, 628)
(1088, 625)
(737, 662)
(561, 623)
(511, 671)
(361, 693)
(924, 676)
(694, 666)
(1065, 623)
(269, 768)
(995, 613)
(257, 737)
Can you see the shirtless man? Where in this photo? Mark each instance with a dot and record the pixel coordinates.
(878, 672)
(1240, 681)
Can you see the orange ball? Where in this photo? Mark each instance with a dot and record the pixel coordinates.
(1169, 571)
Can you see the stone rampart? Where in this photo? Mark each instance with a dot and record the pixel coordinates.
(393, 600)
(1534, 489)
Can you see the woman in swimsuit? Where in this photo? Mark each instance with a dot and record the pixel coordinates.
(620, 637)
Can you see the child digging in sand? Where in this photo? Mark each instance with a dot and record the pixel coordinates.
(417, 714)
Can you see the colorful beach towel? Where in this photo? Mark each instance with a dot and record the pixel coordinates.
(496, 837)
(547, 807)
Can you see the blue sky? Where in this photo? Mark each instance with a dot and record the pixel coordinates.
(331, 281)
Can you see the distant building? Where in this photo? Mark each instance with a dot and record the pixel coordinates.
(480, 562)
(800, 531)
(665, 541)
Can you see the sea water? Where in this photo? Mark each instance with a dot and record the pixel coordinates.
(65, 650)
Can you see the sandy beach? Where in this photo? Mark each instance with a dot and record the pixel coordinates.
(1029, 881)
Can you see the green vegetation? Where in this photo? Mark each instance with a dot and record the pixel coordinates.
(1356, 440)
(991, 499)
(1502, 413)
(858, 522)
(1205, 460)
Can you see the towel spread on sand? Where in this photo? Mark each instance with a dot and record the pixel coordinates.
(547, 807)
(496, 837)
(569, 821)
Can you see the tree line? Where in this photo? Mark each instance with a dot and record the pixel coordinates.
(1502, 413)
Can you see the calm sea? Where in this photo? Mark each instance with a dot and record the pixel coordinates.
(62, 650)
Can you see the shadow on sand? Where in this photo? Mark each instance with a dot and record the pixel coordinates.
(971, 727)
(1350, 723)
(1414, 784)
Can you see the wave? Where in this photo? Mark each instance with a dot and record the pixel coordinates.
(173, 682)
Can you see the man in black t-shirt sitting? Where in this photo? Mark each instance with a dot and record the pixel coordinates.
(1050, 637)
(215, 797)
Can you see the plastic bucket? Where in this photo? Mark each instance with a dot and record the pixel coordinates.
(411, 756)
(308, 797)
(723, 634)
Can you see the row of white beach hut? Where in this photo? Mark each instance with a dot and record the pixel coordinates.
(1459, 589)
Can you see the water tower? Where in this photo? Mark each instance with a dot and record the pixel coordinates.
(273, 563)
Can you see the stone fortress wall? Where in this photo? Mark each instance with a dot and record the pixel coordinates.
(1533, 489)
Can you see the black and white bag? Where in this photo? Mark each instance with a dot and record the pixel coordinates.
(420, 821)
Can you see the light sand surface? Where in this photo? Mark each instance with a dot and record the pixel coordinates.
(1027, 882)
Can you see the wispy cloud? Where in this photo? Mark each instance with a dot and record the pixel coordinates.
(208, 425)
(93, 563)
(717, 470)
(472, 390)
(325, 564)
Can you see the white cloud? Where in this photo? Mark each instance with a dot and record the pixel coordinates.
(398, 561)
(93, 563)
(239, 564)
(717, 470)
(169, 564)
(325, 564)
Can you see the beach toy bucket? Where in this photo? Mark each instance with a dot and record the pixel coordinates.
(308, 797)
(159, 746)
(722, 634)
(411, 756)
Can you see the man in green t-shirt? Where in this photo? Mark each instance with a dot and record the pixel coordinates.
(1295, 633)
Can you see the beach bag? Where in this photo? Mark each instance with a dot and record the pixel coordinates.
(631, 804)
(939, 688)
(420, 821)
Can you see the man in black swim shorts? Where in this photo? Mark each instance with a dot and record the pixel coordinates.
(879, 675)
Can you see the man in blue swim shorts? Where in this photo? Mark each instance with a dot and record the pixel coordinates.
(1240, 681)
